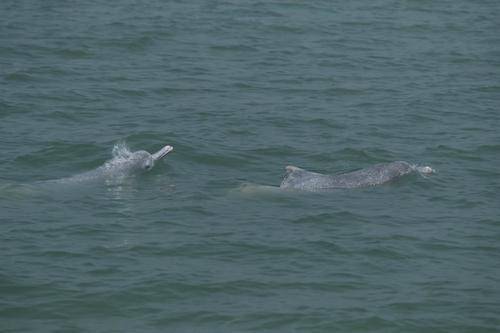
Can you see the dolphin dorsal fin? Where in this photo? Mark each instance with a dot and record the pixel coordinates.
(292, 168)
(293, 176)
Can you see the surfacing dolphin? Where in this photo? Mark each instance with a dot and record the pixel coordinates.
(123, 163)
(300, 179)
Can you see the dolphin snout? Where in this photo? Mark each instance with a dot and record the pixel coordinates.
(162, 152)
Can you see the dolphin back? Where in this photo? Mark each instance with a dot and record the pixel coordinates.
(300, 179)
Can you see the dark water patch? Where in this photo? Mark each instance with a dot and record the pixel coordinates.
(62, 156)
(221, 250)
(323, 248)
(286, 151)
(455, 153)
(131, 44)
(344, 91)
(177, 321)
(64, 116)
(61, 97)
(89, 230)
(417, 27)
(325, 123)
(386, 254)
(255, 248)
(57, 70)
(442, 245)
(119, 78)
(130, 92)
(367, 155)
(195, 209)
(60, 254)
(74, 54)
(279, 321)
(9, 109)
(219, 160)
(11, 286)
(20, 76)
(17, 52)
(489, 149)
(175, 91)
(239, 48)
(334, 218)
(104, 272)
(244, 132)
(111, 215)
(490, 173)
(60, 150)
(287, 29)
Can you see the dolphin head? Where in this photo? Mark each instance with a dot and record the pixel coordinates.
(146, 161)
(143, 160)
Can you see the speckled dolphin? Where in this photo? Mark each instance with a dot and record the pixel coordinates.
(300, 179)
(124, 162)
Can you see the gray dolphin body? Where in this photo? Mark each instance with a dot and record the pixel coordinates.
(122, 164)
(300, 179)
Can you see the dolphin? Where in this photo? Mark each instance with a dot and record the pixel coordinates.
(300, 179)
(123, 163)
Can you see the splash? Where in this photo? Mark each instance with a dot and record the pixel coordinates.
(120, 154)
(424, 171)
(121, 150)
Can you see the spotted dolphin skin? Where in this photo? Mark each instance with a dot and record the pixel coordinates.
(300, 179)
(123, 163)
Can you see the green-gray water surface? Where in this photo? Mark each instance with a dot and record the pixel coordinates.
(241, 89)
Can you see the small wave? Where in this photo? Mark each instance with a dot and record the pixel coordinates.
(19, 76)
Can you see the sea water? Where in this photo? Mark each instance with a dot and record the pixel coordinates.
(242, 89)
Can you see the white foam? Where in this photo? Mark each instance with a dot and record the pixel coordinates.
(121, 150)
(424, 170)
